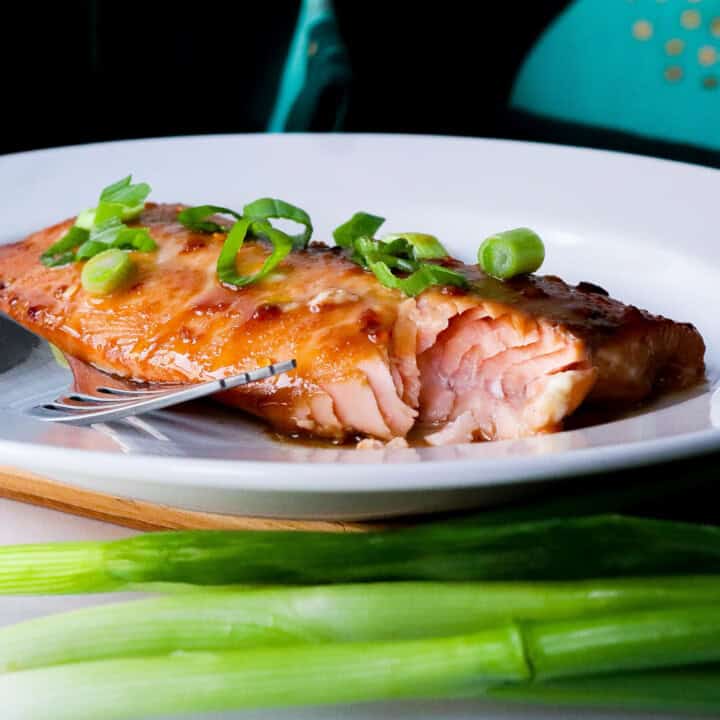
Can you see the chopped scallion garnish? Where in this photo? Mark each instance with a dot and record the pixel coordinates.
(253, 219)
(423, 278)
(63, 251)
(226, 266)
(107, 271)
(424, 247)
(402, 252)
(361, 224)
(272, 209)
(511, 253)
(196, 218)
(99, 228)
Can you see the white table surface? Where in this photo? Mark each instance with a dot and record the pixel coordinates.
(23, 524)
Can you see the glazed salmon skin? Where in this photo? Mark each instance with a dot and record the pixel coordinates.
(501, 360)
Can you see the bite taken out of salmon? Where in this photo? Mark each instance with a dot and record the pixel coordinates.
(502, 360)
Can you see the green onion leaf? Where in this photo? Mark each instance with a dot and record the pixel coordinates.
(90, 248)
(272, 208)
(226, 265)
(424, 247)
(195, 218)
(106, 231)
(511, 253)
(63, 251)
(423, 278)
(135, 238)
(106, 272)
(99, 228)
(86, 219)
(361, 224)
(130, 197)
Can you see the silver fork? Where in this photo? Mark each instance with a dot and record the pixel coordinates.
(116, 403)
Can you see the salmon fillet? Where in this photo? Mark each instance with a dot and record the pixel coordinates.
(503, 360)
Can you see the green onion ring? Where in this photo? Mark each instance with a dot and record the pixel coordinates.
(511, 253)
(226, 265)
(272, 208)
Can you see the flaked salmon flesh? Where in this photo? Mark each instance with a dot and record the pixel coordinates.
(500, 360)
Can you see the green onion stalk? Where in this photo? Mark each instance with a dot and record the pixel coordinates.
(457, 666)
(230, 620)
(555, 549)
(688, 690)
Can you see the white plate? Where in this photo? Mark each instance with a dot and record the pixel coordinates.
(642, 228)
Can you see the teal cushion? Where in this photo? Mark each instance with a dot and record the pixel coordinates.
(649, 67)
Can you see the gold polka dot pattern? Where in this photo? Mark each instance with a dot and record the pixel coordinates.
(674, 46)
(690, 19)
(673, 73)
(707, 55)
(642, 30)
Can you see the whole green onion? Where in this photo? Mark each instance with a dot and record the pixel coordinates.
(227, 273)
(301, 675)
(106, 272)
(472, 664)
(230, 620)
(511, 253)
(467, 550)
(272, 208)
(688, 689)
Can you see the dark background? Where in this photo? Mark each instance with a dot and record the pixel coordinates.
(87, 71)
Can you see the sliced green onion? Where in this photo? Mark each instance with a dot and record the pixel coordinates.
(63, 251)
(106, 272)
(130, 197)
(196, 218)
(135, 238)
(90, 248)
(296, 675)
(227, 261)
(426, 276)
(359, 225)
(511, 253)
(377, 612)
(85, 219)
(112, 233)
(99, 228)
(106, 211)
(272, 208)
(424, 247)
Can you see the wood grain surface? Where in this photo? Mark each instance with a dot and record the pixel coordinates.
(23, 487)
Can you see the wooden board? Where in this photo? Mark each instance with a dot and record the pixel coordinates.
(23, 487)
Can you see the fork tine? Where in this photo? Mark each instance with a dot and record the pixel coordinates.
(87, 410)
(60, 404)
(83, 398)
(139, 392)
